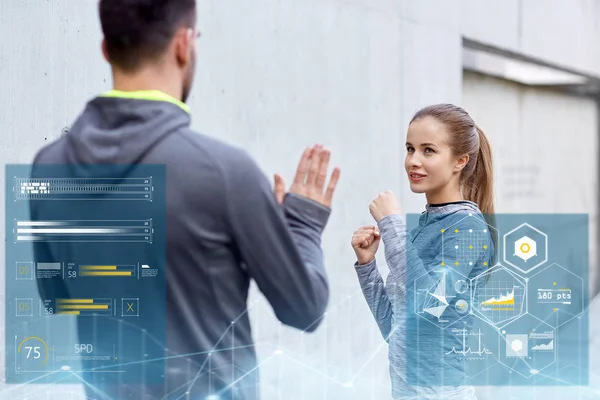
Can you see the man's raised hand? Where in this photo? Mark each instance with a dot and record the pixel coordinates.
(311, 177)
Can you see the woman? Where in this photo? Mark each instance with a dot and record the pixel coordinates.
(425, 304)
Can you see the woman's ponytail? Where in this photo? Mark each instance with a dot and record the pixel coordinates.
(479, 187)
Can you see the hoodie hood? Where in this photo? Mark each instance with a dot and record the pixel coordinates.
(120, 128)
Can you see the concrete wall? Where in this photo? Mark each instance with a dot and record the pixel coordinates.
(275, 76)
(563, 32)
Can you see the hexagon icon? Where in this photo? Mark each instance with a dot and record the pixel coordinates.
(474, 348)
(556, 295)
(441, 297)
(527, 345)
(498, 296)
(527, 248)
(516, 345)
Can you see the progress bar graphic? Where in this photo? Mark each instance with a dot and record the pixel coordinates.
(83, 189)
(107, 270)
(84, 231)
(84, 307)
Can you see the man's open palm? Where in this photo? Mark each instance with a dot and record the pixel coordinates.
(311, 177)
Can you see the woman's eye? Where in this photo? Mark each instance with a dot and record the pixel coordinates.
(410, 149)
(429, 150)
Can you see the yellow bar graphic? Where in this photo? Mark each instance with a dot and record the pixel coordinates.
(99, 267)
(105, 273)
(77, 301)
(68, 312)
(83, 306)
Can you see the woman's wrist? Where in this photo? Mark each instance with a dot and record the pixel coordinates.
(363, 261)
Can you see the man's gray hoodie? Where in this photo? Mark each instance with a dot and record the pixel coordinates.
(224, 228)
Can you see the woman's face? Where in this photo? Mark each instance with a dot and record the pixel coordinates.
(429, 163)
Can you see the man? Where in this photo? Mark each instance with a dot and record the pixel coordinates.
(224, 224)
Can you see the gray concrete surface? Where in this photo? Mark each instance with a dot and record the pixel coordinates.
(562, 32)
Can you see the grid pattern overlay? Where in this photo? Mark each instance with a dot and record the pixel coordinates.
(466, 250)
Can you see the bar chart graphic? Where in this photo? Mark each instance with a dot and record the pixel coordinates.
(107, 270)
(84, 307)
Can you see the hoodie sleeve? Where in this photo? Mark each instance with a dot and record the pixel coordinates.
(373, 288)
(279, 245)
(406, 265)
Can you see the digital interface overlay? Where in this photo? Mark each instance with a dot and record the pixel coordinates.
(522, 321)
(85, 273)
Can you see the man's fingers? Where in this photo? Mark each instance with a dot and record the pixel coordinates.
(323, 167)
(303, 165)
(279, 188)
(315, 163)
(333, 181)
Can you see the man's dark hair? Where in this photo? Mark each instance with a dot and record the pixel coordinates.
(137, 31)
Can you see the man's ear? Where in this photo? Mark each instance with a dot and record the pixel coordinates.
(461, 162)
(183, 41)
(104, 52)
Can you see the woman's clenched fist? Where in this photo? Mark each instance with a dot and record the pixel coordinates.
(365, 242)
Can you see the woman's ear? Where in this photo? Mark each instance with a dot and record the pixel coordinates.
(461, 162)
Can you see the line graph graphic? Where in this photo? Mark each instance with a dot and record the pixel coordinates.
(504, 302)
(499, 296)
(474, 348)
(543, 341)
(466, 350)
(544, 347)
